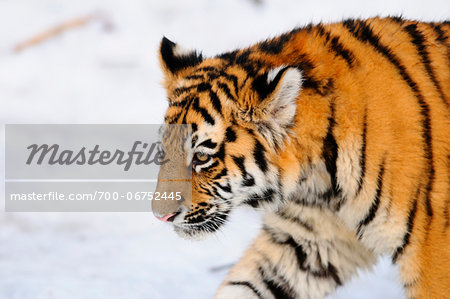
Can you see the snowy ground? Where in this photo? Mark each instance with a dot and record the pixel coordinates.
(91, 75)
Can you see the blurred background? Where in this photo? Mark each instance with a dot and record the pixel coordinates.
(92, 61)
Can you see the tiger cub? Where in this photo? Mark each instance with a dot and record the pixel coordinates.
(339, 133)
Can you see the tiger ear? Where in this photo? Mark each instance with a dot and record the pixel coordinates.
(277, 90)
(174, 58)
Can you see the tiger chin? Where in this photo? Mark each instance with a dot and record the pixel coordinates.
(338, 133)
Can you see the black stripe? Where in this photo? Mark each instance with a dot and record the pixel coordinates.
(195, 77)
(364, 33)
(248, 179)
(276, 290)
(299, 252)
(229, 56)
(362, 157)
(208, 143)
(339, 49)
(273, 46)
(336, 46)
(309, 27)
(418, 39)
(242, 59)
(180, 103)
(250, 132)
(265, 88)
(310, 83)
(212, 76)
(322, 32)
(226, 90)
(180, 90)
(203, 87)
(248, 285)
(296, 220)
(206, 190)
(329, 272)
(255, 200)
(252, 201)
(223, 75)
(206, 69)
(440, 33)
(195, 218)
(330, 153)
(333, 272)
(274, 235)
(397, 19)
(409, 226)
(186, 110)
(226, 188)
(221, 174)
(172, 119)
(233, 79)
(220, 154)
(258, 155)
(304, 63)
(276, 45)
(323, 87)
(213, 96)
(375, 203)
(230, 135)
(208, 118)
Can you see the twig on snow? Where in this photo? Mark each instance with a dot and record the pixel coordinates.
(63, 27)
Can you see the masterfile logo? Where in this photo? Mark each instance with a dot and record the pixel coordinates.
(89, 167)
(52, 154)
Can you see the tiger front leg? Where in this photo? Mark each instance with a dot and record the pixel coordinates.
(295, 257)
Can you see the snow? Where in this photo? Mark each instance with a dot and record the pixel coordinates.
(92, 75)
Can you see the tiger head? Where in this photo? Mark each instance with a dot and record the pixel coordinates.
(240, 113)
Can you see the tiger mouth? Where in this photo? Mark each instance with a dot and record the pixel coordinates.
(199, 230)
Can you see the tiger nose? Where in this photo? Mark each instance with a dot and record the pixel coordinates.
(168, 218)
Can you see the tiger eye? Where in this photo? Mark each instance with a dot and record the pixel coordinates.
(201, 157)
